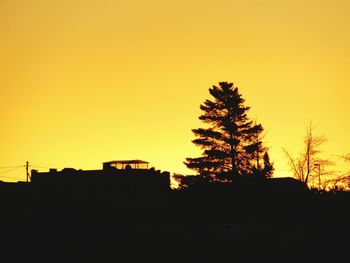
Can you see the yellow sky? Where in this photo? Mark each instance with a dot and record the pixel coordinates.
(88, 81)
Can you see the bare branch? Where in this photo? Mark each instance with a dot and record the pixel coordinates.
(309, 165)
(293, 164)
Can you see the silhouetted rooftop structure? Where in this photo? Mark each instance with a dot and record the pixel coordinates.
(119, 180)
(125, 164)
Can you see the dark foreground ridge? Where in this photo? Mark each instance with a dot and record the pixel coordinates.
(128, 213)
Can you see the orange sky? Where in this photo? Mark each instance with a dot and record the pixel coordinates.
(83, 82)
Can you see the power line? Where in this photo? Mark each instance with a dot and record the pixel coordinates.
(43, 167)
(9, 177)
(40, 165)
(9, 167)
(48, 166)
(10, 170)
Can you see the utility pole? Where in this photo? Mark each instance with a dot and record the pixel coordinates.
(27, 171)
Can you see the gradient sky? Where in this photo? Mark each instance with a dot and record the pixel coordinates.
(88, 81)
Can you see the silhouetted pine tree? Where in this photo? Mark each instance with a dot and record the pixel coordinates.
(231, 142)
(268, 166)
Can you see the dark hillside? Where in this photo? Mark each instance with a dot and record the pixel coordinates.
(250, 220)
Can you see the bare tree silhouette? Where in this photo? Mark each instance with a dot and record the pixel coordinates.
(309, 167)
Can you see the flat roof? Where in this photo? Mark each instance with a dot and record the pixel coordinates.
(125, 161)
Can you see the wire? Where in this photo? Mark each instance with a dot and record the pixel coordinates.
(10, 170)
(48, 166)
(3, 176)
(9, 167)
(35, 166)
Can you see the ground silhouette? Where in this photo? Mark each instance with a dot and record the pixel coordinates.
(86, 217)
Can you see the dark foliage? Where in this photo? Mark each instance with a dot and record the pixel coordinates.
(200, 224)
(231, 143)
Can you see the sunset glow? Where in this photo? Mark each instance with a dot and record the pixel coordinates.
(84, 82)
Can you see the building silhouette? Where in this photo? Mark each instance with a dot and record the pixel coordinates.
(119, 181)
